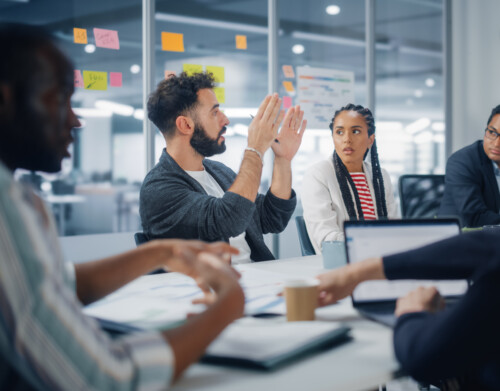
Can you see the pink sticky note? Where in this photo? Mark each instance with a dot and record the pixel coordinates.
(106, 38)
(115, 79)
(169, 73)
(288, 71)
(287, 102)
(78, 79)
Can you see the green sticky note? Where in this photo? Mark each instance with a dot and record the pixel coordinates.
(93, 80)
(220, 94)
(191, 69)
(218, 73)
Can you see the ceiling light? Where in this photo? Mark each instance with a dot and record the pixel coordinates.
(90, 48)
(333, 10)
(418, 125)
(139, 114)
(90, 112)
(438, 126)
(429, 82)
(298, 49)
(136, 68)
(418, 93)
(114, 107)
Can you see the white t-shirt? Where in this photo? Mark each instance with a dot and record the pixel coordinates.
(212, 188)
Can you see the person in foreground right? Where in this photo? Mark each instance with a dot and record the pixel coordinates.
(461, 343)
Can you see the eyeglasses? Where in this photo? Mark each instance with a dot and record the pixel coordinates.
(491, 134)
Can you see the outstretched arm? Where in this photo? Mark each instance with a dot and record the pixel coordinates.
(97, 279)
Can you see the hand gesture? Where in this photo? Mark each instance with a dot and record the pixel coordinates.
(264, 127)
(290, 136)
(335, 285)
(420, 299)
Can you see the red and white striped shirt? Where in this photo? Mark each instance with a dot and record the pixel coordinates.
(365, 197)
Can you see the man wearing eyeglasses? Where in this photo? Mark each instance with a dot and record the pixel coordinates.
(473, 179)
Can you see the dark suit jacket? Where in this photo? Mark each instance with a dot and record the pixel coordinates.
(463, 341)
(174, 205)
(471, 190)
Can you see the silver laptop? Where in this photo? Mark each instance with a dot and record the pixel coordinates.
(377, 299)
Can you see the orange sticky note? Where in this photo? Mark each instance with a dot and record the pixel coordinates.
(241, 42)
(220, 94)
(172, 42)
(79, 35)
(169, 73)
(115, 79)
(288, 71)
(288, 86)
(78, 79)
(106, 39)
(287, 102)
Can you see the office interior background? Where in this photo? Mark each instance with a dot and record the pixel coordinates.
(427, 68)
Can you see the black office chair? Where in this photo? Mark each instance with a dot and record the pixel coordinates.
(140, 238)
(420, 195)
(305, 243)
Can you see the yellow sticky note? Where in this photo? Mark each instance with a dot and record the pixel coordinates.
(191, 69)
(172, 42)
(218, 73)
(80, 35)
(288, 86)
(93, 80)
(288, 71)
(241, 42)
(220, 94)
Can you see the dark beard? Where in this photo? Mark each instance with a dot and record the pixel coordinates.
(204, 145)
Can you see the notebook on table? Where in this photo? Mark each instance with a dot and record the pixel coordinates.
(364, 239)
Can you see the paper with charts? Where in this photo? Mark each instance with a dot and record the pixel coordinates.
(321, 92)
(159, 300)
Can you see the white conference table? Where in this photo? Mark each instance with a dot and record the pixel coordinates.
(363, 363)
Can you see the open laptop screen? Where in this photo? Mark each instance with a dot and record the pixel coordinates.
(365, 239)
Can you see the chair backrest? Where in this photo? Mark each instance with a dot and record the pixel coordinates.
(420, 195)
(140, 238)
(305, 244)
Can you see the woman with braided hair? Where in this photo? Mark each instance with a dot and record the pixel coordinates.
(345, 187)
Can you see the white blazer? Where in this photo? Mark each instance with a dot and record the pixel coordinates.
(324, 209)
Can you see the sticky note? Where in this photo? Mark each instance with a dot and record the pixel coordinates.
(169, 73)
(288, 86)
(218, 73)
(191, 69)
(287, 102)
(80, 35)
(220, 94)
(241, 42)
(172, 42)
(78, 79)
(115, 79)
(288, 71)
(106, 39)
(93, 80)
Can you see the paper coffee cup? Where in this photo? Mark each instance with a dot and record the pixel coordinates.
(301, 297)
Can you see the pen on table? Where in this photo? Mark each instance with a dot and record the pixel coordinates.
(275, 140)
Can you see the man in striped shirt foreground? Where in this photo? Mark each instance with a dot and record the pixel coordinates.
(46, 342)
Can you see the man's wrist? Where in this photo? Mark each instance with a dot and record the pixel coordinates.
(257, 152)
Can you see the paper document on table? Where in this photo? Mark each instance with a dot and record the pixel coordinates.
(267, 343)
(152, 302)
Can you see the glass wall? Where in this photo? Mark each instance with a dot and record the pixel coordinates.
(409, 86)
(98, 189)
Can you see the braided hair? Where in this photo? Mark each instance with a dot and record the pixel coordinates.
(345, 181)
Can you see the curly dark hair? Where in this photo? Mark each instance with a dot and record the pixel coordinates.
(495, 111)
(176, 96)
(344, 178)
